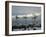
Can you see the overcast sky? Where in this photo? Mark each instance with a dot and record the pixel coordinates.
(23, 10)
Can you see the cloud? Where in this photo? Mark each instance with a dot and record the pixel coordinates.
(23, 10)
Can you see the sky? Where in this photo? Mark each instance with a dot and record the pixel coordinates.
(24, 10)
